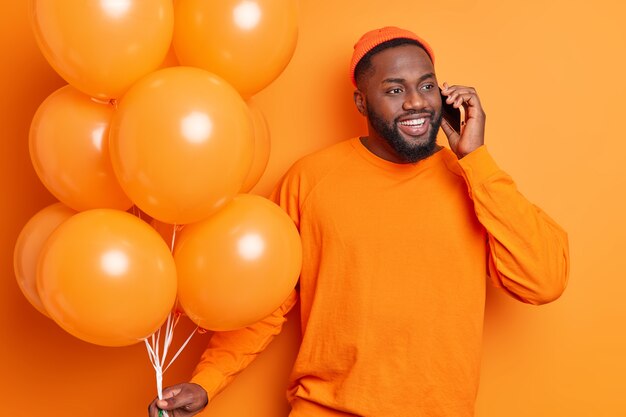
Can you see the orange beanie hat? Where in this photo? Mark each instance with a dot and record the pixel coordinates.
(375, 37)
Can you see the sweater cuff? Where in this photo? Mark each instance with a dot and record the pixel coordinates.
(478, 165)
(210, 379)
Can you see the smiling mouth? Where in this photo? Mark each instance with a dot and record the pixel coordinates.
(414, 127)
(414, 122)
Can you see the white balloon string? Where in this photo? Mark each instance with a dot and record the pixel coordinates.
(181, 349)
(154, 351)
(157, 345)
(167, 341)
(157, 368)
(151, 354)
(174, 227)
(157, 359)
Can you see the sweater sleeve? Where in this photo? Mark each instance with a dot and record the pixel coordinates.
(229, 353)
(528, 251)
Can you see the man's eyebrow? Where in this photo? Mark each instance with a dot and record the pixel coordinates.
(402, 80)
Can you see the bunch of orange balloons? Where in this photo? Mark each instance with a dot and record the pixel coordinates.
(156, 130)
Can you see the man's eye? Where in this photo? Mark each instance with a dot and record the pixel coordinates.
(395, 91)
(428, 87)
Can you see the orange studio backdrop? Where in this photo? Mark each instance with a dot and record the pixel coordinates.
(550, 77)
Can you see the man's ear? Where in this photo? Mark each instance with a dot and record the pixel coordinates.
(359, 100)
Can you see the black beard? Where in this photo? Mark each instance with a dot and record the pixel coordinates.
(408, 152)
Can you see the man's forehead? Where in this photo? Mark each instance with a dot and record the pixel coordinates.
(404, 59)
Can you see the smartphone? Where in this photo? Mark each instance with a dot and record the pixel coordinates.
(453, 116)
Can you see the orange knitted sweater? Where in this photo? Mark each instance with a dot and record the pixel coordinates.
(392, 289)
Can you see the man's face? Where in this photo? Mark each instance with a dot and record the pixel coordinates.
(402, 102)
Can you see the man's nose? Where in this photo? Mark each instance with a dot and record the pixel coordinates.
(413, 100)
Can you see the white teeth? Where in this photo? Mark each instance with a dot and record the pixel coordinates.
(413, 122)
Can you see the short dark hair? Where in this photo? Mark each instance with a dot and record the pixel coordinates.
(365, 64)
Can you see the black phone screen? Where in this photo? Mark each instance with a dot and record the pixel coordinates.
(452, 115)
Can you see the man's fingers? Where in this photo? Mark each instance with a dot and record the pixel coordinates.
(171, 398)
(163, 405)
(153, 410)
(459, 98)
(173, 403)
(187, 398)
(171, 392)
(184, 400)
(448, 89)
(459, 95)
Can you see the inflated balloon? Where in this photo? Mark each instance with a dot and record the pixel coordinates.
(107, 277)
(246, 42)
(181, 144)
(239, 265)
(69, 149)
(103, 47)
(261, 147)
(28, 247)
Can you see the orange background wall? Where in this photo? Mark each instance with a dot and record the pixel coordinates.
(551, 78)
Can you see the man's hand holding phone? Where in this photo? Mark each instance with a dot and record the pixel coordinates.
(472, 134)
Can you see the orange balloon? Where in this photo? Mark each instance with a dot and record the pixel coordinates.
(107, 278)
(181, 144)
(28, 247)
(246, 42)
(69, 149)
(239, 265)
(103, 47)
(261, 147)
